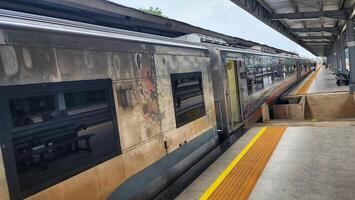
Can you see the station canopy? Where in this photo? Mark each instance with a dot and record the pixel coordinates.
(313, 24)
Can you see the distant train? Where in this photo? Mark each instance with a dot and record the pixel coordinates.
(244, 79)
(88, 110)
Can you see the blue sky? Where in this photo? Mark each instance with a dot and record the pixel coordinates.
(221, 16)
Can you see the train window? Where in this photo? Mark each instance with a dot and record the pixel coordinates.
(60, 129)
(93, 99)
(188, 97)
(255, 79)
(30, 110)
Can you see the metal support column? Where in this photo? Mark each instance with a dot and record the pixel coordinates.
(330, 58)
(337, 57)
(334, 57)
(298, 67)
(342, 53)
(351, 48)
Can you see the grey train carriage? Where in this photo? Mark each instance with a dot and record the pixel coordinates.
(244, 79)
(87, 109)
(84, 108)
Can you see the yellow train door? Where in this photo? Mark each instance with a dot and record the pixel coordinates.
(235, 116)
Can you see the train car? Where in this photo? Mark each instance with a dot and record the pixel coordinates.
(244, 79)
(84, 108)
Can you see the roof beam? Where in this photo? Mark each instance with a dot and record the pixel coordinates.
(334, 30)
(318, 42)
(334, 14)
(317, 45)
(352, 12)
(316, 37)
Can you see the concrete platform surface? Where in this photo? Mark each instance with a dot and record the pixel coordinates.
(200, 185)
(309, 163)
(325, 82)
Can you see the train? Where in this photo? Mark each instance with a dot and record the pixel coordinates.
(92, 112)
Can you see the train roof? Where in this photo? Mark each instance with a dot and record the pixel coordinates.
(30, 21)
(251, 51)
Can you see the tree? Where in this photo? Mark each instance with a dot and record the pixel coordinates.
(153, 11)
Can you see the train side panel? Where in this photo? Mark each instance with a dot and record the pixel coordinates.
(280, 73)
(219, 89)
(4, 192)
(142, 98)
(173, 64)
(253, 102)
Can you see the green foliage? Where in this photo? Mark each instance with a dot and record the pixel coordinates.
(153, 11)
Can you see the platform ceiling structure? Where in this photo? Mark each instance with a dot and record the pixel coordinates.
(313, 24)
(323, 27)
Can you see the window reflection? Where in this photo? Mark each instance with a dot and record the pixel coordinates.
(263, 71)
(188, 97)
(58, 133)
(30, 110)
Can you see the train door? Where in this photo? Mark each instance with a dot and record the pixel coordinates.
(233, 86)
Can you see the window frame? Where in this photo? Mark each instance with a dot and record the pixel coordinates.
(6, 129)
(175, 76)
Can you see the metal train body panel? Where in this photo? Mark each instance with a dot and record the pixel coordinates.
(4, 192)
(140, 74)
(250, 103)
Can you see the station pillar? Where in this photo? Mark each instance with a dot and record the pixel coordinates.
(299, 69)
(337, 57)
(333, 57)
(342, 53)
(330, 58)
(351, 48)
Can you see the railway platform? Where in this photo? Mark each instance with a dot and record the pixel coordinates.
(317, 97)
(287, 159)
(283, 161)
(325, 82)
(320, 81)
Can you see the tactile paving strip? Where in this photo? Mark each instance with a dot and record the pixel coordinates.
(307, 85)
(240, 181)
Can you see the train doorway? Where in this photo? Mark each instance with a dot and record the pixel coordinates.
(234, 97)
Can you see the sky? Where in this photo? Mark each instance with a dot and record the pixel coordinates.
(221, 16)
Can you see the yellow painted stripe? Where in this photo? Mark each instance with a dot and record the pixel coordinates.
(224, 174)
(305, 87)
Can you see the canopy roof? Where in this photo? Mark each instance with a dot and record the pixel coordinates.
(313, 24)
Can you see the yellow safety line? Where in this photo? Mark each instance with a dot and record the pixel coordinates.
(307, 84)
(302, 84)
(223, 175)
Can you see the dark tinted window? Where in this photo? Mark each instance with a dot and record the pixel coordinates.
(85, 98)
(41, 108)
(188, 97)
(263, 71)
(61, 129)
(30, 110)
